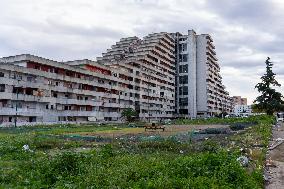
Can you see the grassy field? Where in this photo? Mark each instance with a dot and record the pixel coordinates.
(116, 156)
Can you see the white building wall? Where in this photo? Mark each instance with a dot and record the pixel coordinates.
(206, 93)
(34, 109)
(201, 84)
(191, 50)
(240, 110)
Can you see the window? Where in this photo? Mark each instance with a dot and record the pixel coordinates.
(183, 47)
(46, 106)
(101, 81)
(12, 75)
(183, 79)
(80, 86)
(29, 91)
(183, 90)
(183, 101)
(1, 74)
(183, 111)
(183, 68)
(30, 78)
(19, 105)
(19, 77)
(10, 119)
(2, 88)
(51, 107)
(183, 57)
(32, 119)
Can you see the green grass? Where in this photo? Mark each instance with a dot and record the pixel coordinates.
(251, 119)
(56, 163)
(59, 129)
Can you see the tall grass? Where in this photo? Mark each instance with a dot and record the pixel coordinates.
(142, 164)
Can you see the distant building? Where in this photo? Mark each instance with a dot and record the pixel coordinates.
(238, 100)
(242, 110)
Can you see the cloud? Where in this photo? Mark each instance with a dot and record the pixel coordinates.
(245, 32)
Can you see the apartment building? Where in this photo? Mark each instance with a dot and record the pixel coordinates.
(39, 90)
(150, 62)
(199, 88)
(161, 76)
(242, 110)
(238, 100)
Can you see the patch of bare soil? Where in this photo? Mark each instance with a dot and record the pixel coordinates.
(169, 130)
(275, 160)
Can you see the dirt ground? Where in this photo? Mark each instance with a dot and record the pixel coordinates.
(275, 174)
(169, 130)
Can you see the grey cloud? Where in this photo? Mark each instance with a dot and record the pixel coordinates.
(280, 72)
(242, 64)
(93, 31)
(273, 47)
(245, 32)
(243, 12)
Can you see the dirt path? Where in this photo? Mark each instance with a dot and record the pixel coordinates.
(275, 160)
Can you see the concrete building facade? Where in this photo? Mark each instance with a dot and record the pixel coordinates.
(199, 88)
(242, 110)
(134, 73)
(151, 63)
(37, 90)
(238, 100)
(162, 76)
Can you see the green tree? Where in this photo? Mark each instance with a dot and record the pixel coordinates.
(129, 114)
(255, 109)
(270, 100)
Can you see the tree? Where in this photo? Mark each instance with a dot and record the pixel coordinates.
(129, 114)
(255, 109)
(270, 100)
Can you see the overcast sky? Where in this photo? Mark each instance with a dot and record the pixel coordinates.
(245, 32)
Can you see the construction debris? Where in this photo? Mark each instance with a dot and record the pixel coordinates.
(270, 163)
(243, 161)
(277, 142)
(26, 148)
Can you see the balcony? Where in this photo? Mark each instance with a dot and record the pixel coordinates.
(79, 113)
(23, 97)
(6, 111)
(75, 101)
